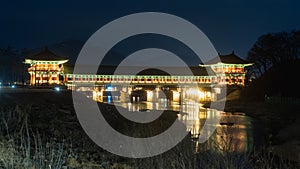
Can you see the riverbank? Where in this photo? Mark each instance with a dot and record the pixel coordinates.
(281, 121)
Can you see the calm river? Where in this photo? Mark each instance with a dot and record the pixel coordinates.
(236, 131)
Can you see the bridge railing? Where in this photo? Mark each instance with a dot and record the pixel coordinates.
(139, 79)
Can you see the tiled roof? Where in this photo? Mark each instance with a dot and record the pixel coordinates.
(46, 55)
(231, 58)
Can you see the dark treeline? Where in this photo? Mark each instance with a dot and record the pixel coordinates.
(11, 65)
(277, 59)
(274, 48)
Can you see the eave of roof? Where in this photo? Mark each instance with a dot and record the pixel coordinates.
(46, 55)
(231, 58)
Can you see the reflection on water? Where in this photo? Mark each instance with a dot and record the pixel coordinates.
(234, 132)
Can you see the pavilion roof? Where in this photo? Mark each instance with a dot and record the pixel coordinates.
(231, 58)
(46, 55)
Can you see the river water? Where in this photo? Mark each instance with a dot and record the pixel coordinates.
(234, 132)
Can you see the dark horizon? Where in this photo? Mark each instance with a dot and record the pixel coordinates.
(230, 25)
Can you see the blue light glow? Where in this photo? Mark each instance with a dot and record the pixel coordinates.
(108, 99)
(57, 89)
(109, 88)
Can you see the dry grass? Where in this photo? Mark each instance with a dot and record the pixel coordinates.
(21, 148)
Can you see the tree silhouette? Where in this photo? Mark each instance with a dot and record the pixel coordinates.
(274, 48)
(11, 66)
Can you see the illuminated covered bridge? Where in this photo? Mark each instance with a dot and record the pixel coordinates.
(230, 71)
(47, 67)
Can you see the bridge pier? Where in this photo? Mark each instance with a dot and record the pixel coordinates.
(177, 95)
(125, 94)
(153, 94)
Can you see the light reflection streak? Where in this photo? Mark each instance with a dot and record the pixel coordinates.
(237, 137)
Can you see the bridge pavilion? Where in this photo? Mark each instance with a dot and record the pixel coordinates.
(229, 69)
(46, 67)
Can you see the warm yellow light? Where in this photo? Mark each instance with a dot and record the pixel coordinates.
(208, 94)
(176, 96)
(149, 95)
(95, 95)
(201, 94)
(217, 90)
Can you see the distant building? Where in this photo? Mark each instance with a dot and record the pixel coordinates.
(229, 69)
(45, 68)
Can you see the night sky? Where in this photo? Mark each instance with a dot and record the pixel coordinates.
(229, 24)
